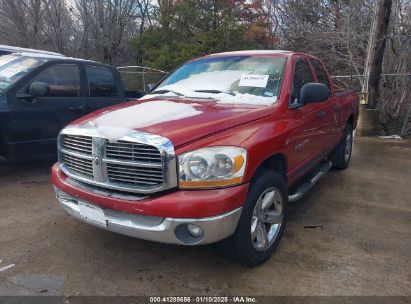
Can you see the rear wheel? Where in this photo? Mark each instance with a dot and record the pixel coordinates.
(341, 155)
(262, 222)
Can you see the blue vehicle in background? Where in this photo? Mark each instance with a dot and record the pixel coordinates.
(40, 93)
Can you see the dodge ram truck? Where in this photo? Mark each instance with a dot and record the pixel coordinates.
(215, 153)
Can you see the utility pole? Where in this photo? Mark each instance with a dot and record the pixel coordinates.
(373, 66)
(369, 114)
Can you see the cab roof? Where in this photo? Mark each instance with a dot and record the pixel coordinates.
(15, 49)
(281, 53)
(51, 57)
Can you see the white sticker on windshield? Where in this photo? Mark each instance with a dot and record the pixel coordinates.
(250, 80)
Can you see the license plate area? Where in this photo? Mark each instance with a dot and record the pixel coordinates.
(91, 213)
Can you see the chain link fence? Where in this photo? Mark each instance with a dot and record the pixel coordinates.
(394, 104)
(139, 78)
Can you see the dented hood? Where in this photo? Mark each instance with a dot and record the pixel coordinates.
(180, 120)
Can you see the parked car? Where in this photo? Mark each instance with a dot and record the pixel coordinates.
(215, 153)
(41, 93)
(7, 49)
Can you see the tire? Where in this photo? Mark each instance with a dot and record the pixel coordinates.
(249, 248)
(3, 148)
(341, 155)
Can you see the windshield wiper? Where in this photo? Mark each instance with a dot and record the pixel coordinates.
(167, 91)
(214, 92)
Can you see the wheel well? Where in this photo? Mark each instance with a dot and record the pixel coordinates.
(277, 163)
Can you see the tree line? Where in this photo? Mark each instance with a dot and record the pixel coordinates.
(164, 33)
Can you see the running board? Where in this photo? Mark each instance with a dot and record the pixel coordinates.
(324, 167)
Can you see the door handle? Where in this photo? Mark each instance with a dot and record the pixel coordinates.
(336, 107)
(76, 108)
(320, 114)
(27, 98)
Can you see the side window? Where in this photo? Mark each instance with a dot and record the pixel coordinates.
(101, 82)
(321, 74)
(302, 75)
(63, 80)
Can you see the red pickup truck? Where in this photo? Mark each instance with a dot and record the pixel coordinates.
(215, 153)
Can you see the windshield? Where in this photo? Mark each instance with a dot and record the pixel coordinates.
(13, 67)
(229, 79)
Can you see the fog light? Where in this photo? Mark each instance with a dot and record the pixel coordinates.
(61, 194)
(195, 230)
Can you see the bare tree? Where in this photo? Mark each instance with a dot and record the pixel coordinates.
(93, 29)
(59, 28)
(107, 26)
(44, 24)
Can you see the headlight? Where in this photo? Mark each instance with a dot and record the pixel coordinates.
(212, 167)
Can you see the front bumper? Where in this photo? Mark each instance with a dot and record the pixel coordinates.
(159, 229)
(176, 204)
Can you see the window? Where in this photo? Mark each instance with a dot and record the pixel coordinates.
(63, 80)
(302, 75)
(232, 78)
(321, 74)
(101, 82)
(4, 52)
(14, 67)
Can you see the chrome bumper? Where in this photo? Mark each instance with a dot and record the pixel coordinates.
(159, 229)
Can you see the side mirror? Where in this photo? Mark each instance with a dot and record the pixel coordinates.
(314, 92)
(38, 89)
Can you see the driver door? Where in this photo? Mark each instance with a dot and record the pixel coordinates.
(37, 120)
(305, 139)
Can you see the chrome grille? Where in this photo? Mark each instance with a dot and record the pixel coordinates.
(134, 175)
(130, 164)
(78, 165)
(75, 143)
(133, 152)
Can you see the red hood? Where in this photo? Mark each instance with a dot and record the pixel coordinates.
(201, 118)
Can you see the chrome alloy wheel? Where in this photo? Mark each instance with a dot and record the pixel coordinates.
(267, 219)
(348, 147)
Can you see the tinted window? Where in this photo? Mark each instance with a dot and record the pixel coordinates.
(302, 75)
(63, 80)
(101, 82)
(321, 74)
(4, 52)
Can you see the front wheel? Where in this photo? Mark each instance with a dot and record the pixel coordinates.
(262, 222)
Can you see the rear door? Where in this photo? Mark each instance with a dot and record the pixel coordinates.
(103, 87)
(36, 122)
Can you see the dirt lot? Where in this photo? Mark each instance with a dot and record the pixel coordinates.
(363, 248)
